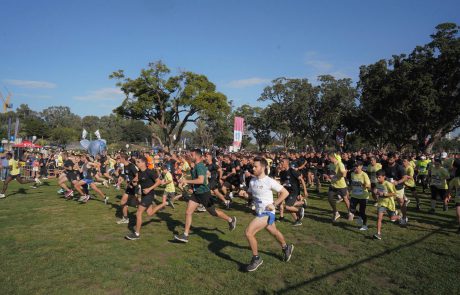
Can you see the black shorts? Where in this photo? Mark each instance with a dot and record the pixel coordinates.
(14, 176)
(204, 199)
(339, 191)
(291, 199)
(214, 184)
(72, 176)
(410, 188)
(435, 192)
(147, 200)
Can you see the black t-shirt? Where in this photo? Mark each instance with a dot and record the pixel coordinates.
(130, 171)
(396, 172)
(147, 178)
(213, 169)
(68, 164)
(290, 180)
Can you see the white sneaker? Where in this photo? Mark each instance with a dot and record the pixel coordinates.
(363, 228)
(336, 216)
(123, 221)
(350, 216)
(37, 181)
(230, 195)
(359, 221)
(2, 196)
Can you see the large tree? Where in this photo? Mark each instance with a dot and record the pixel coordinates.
(170, 102)
(414, 99)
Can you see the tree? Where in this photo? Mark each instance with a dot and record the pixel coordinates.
(306, 112)
(169, 101)
(60, 116)
(64, 135)
(414, 99)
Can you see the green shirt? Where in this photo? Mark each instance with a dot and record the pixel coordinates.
(200, 169)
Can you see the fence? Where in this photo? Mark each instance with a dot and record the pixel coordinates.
(28, 172)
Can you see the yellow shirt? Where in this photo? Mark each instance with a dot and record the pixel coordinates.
(170, 188)
(388, 202)
(410, 172)
(359, 184)
(422, 166)
(59, 162)
(14, 167)
(439, 177)
(454, 186)
(337, 177)
(372, 170)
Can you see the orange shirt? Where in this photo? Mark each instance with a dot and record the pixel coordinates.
(149, 162)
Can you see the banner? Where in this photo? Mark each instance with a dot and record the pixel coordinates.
(238, 132)
(16, 129)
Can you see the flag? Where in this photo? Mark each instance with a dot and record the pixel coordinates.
(16, 129)
(238, 132)
(98, 135)
(84, 134)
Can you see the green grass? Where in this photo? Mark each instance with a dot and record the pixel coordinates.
(52, 246)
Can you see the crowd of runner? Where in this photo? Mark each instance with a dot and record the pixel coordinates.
(387, 181)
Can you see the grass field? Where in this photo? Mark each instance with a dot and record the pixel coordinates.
(52, 246)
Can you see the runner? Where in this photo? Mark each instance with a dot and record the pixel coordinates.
(338, 189)
(14, 173)
(131, 177)
(454, 187)
(148, 181)
(386, 192)
(360, 184)
(291, 180)
(422, 171)
(410, 182)
(201, 195)
(261, 188)
(438, 176)
(396, 174)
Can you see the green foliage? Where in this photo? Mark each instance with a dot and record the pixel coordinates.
(64, 135)
(170, 102)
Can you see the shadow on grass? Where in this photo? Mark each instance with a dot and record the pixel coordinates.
(20, 191)
(352, 265)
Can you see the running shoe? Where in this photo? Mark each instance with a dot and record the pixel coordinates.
(287, 251)
(336, 216)
(351, 216)
(106, 200)
(297, 223)
(181, 238)
(68, 193)
(132, 236)
(255, 263)
(377, 237)
(232, 224)
(123, 221)
(301, 213)
(363, 228)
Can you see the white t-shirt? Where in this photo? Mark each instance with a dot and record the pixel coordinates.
(262, 191)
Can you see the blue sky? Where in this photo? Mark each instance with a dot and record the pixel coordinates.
(62, 52)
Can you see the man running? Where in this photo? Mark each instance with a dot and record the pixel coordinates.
(130, 173)
(14, 173)
(261, 188)
(201, 195)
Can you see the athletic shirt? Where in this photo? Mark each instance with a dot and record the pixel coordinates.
(213, 170)
(130, 172)
(89, 172)
(439, 177)
(397, 172)
(147, 178)
(200, 169)
(170, 188)
(262, 192)
(337, 179)
(14, 167)
(422, 167)
(358, 181)
(454, 186)
(388, 202)
(290, 181)
(410, 172)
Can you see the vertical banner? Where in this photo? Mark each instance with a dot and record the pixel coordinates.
(238, 132)
(16, 129)
(9, 128)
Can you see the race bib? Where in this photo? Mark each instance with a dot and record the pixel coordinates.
(436, 180)
(357, 190)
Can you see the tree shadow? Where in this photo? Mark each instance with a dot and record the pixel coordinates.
(351, 265)
(20, 191)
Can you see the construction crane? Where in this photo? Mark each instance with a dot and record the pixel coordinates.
(6, 102)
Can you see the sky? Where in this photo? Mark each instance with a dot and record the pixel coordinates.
(61, 53)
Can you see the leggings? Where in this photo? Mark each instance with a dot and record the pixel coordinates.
(362, 208)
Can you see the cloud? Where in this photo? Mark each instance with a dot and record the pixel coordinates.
(26, 95)
(30, 84)
(247, 82)
(102, 94)
(316, 63)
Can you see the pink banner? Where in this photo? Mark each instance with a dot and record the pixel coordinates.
(238, 132)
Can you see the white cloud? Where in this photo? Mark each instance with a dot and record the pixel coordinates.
(316, 63)
(30, 84)
(26, 95)
(102, 94)
(247, 82)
